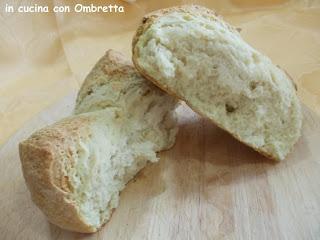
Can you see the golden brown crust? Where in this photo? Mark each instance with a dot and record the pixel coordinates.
(42, 166)
(147, 21)
(114, 73)
(111, 64)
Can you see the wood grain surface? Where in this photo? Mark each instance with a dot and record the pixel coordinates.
(208, 186)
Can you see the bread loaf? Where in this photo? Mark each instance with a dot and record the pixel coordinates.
(193, 54)
(76, 168)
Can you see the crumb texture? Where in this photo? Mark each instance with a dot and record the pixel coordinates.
(94, 156)
(76, 168)
(193, 53)
(114, 82)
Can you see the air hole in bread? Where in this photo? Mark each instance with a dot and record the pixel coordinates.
(144, 20)
(253, 85)
(183, 59)
(117, 115)
(230, 108)
(90, 91)
(146, 93)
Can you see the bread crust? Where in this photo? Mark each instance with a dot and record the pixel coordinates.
(42, 170)
(112, 63)
(148, 20)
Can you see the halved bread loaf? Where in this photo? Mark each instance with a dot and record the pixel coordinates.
(114, 82)
(193, 54)
(76, 168)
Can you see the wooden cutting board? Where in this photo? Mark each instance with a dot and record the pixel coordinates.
(208, 186)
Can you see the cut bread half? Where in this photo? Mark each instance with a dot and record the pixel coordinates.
(114, 82)
(193, 54)
(76, 168)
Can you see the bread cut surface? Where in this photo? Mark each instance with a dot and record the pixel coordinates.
(76, 168)
(114, 82)
(193, 54)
